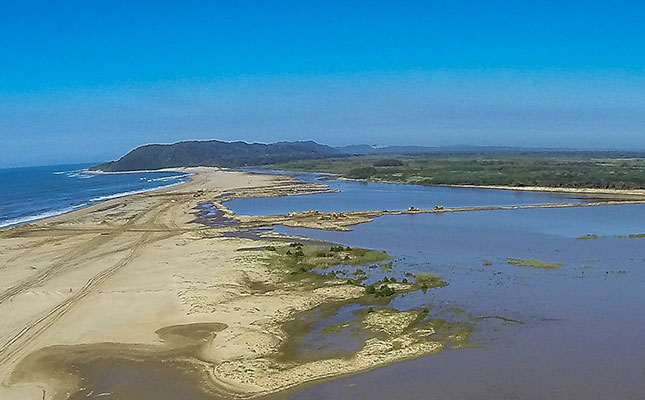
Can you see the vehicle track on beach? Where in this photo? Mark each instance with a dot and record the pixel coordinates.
(70, 259)
(28, 249)
(14, 346)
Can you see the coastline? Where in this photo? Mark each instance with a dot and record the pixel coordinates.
(120, 270)
(93, 201)
(112, 276)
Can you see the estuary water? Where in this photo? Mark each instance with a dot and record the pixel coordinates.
(363, 196)
(33, 193)
(574, 332)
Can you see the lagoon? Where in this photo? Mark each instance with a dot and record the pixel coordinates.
(363, 196)
(580, 334)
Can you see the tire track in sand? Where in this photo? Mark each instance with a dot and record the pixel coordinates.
(66, 261)
(11, 348)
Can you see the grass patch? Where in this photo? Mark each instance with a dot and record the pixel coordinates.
(429, 281)
(532, 263)
(296, 258)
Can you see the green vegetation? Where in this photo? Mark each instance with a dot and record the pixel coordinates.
(386, 267)
(379, 290)
(297, 258)
(571, 170)
(488, 263)
(588, 237)
(215, 153)
(429, 281)
(361, 173)
(532, 263)
(388, 162)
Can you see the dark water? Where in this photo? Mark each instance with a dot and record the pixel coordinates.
(33, 193)
(361, 196)
(582, 336)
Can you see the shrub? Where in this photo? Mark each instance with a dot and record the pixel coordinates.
(361, 173)
(370, 289)
(384, 291)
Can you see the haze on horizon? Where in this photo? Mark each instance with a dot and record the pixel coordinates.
(90, 81)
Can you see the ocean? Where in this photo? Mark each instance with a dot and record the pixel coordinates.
(32, 193)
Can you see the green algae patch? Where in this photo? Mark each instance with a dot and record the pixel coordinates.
(532, 263)
(501, 318)
(632, 236)
(390, 321)
(588, 237)
(335, 328)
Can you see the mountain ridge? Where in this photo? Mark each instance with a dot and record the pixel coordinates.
(218, 153)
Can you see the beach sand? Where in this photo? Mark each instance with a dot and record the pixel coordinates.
(120, 270)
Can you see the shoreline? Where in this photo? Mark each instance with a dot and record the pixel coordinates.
(106, 253)
(119, 272)
(590, 192)
(95, 201)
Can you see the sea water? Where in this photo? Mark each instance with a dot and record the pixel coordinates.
(33, 193)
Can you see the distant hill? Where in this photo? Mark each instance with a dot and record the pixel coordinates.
(365, 149)
(457, 149)
(215, 153)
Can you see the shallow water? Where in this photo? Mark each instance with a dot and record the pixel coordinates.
(127, 371)
(363, 196)
(581, 336)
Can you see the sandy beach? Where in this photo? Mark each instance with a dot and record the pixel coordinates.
(122, 269)
(137, 277)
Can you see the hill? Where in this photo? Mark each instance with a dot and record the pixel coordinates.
(215, 153)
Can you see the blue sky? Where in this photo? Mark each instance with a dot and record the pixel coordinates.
(87, 81)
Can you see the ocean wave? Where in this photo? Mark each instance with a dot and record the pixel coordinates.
(117, 195)
(32, 218)
(76, 173)
(167, 178)
(53, 213)
(83, 174)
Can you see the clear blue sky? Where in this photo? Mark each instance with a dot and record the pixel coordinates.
(87, 81)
